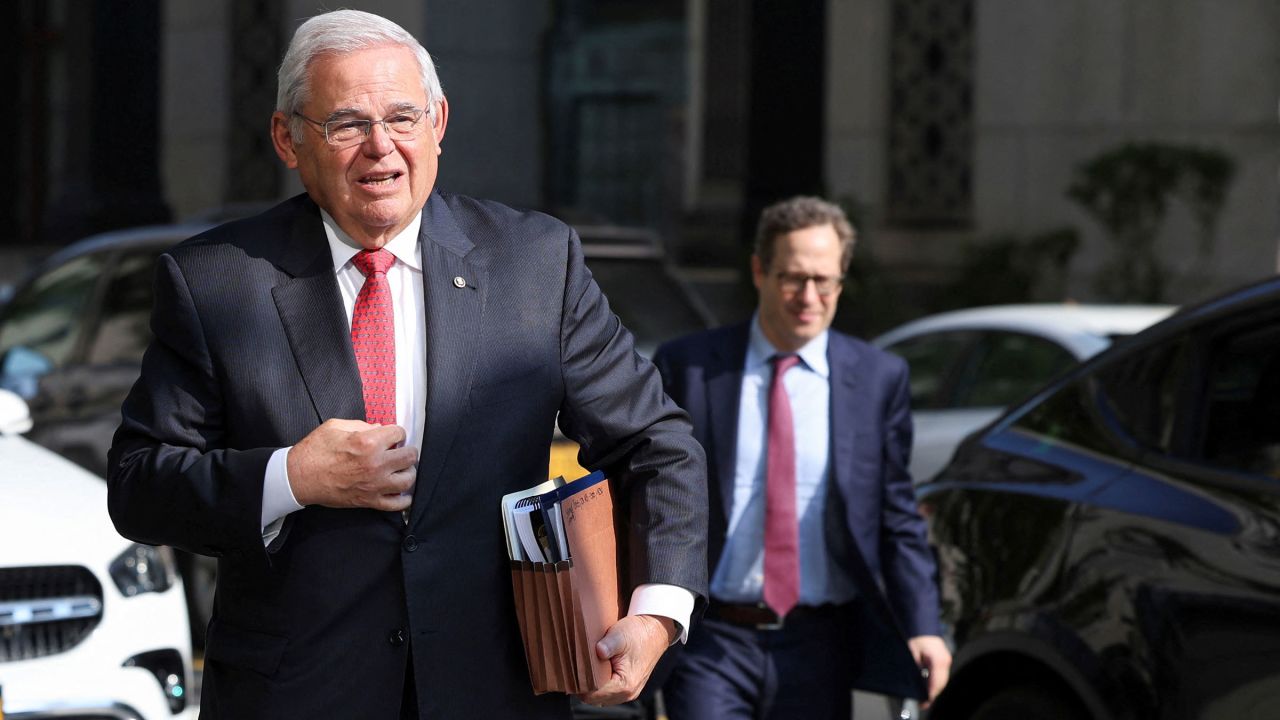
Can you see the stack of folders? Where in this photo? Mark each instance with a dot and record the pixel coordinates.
(565, 571)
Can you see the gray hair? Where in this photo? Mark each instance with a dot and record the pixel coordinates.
(338, 33)
(798, 213)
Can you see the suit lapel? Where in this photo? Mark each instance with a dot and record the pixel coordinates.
(453, 316)
(843, 359)
(724, 395)
(311, 311)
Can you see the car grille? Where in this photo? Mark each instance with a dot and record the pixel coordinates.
(46, 610)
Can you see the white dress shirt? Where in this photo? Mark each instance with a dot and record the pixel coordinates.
(739, 576)
(407, 298)
(405, 279)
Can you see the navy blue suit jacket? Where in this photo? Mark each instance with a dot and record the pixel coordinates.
(252, 351)
(872, 525)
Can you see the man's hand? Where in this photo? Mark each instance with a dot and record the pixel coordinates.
(632, 646)
(931, 654)
(350, 463)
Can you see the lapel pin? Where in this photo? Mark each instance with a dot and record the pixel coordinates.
(458, 282)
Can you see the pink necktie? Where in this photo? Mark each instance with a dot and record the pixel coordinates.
(373, 337)
(781, 533)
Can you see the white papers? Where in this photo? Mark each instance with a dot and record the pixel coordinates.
(522, 517)
(514, 549)
(535, 520)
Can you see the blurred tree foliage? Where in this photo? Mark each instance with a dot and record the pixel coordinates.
(1128, 189)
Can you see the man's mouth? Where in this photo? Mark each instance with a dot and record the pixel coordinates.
(379, 179)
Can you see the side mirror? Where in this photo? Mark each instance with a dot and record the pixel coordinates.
(21, 369)
(15, 417)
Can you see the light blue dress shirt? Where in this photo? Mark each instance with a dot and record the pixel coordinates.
(739, 576)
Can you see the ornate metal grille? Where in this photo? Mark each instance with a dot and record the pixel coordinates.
(931, 105)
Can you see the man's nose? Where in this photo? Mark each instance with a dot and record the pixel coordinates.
(809, 292)
(378, 143)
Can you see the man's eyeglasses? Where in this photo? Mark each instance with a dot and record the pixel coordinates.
(792, 283)
(403, 125)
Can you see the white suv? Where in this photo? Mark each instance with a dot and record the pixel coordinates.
(91, 624)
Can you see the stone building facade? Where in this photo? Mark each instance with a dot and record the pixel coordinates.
(943, 124)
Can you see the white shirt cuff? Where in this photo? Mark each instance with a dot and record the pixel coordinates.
(669, 601)
(277, 495)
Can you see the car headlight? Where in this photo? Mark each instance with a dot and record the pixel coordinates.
(143, 569)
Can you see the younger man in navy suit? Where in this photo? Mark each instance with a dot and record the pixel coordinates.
(818, 558)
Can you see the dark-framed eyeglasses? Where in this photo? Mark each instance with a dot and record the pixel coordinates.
(792, 283)
(345, 132)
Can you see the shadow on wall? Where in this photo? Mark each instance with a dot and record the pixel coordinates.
(1128, 190)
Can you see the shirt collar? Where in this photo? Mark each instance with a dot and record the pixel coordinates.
(813, 354)
(404, 245)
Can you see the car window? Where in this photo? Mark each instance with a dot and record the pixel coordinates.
(650, 303)
(1241, 417)
(1006, 367)
(1143, 392)
(1209, 400)
(124, 331)
(1120, 407)
(932, 359)
(47, 316)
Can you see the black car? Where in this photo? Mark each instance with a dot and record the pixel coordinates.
(1110, 548)
(74, 331)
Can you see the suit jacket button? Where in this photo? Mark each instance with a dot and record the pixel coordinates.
(410, 543)
(396, 637)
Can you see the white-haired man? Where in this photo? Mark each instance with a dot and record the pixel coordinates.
(340, 391)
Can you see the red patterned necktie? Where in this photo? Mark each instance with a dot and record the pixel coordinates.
(373, 337)
(781, 532)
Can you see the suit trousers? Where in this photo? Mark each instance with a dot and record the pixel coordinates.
(735, 672)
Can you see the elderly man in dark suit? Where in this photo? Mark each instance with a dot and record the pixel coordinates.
(819, 560)
(340, 391)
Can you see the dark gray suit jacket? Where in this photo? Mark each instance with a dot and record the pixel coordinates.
(252, 351)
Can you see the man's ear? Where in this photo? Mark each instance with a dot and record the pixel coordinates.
(441, 120)
(282, 139)
(757, 271)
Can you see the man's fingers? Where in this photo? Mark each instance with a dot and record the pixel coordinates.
(632, 646)
(613, 647)
(937, 681)
(386, 436)
(394, 502)
(401, 482)
(347, 424)
(932, 654)
(401, 458)
(351, 463)
(613, 643)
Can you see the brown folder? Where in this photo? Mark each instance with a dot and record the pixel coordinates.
(565, 608)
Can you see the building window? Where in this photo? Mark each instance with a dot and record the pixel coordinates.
(614, 99)
(931, 106)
